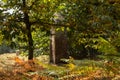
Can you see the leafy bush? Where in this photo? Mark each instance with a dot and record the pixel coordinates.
(41, 42)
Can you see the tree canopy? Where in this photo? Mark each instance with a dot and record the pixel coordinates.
(91, 23)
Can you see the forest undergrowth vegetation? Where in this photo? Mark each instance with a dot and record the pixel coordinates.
(39, 69)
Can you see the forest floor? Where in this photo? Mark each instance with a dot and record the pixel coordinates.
(14, 67)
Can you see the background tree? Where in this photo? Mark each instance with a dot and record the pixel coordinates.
(92, 26)
(27, 17)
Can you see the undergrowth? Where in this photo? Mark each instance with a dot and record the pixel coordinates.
(74, 70)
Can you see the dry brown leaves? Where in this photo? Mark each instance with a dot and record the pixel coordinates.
(22, 66)
(20, 70)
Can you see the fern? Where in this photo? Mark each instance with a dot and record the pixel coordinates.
(106, 47)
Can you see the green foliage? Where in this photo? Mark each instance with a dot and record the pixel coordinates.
(40, 15)
(41, 42)
(94, 26)
(105, 47)
(116, 39)
(1, 38)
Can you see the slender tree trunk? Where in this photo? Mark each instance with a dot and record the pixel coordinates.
(30, 42)
(28, 30)
(52, 46)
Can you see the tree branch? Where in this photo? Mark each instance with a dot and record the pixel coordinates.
(50, 24)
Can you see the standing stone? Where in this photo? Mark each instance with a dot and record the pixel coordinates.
(58, 46)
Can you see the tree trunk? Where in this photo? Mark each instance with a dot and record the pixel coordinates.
(30, 42)
(52, 46)
(58, 46)
(28, 30)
